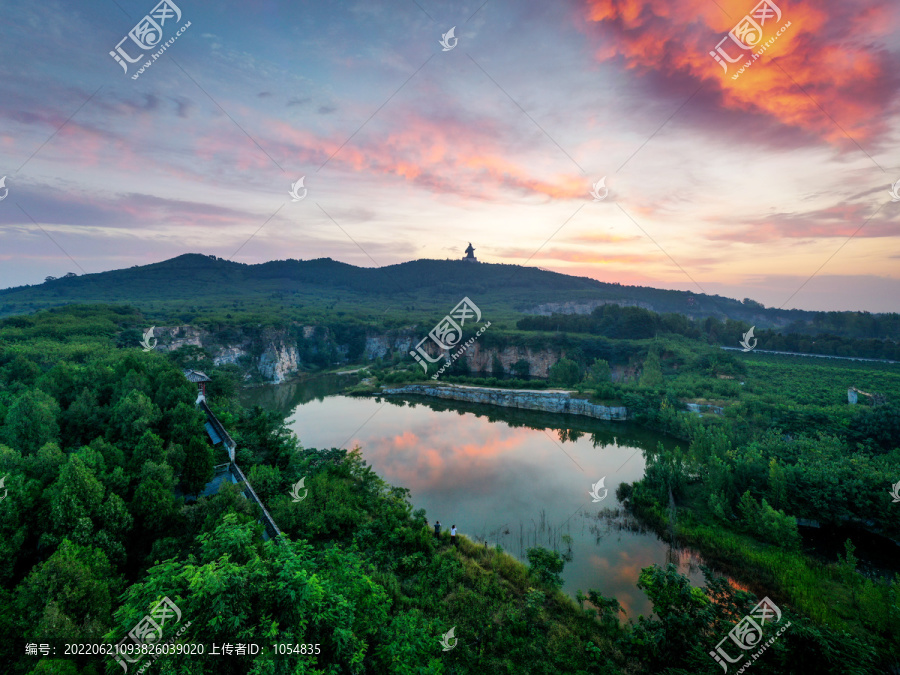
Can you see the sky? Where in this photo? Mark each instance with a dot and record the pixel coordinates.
(772, 183)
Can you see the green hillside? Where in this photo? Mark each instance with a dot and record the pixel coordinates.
(194, 287)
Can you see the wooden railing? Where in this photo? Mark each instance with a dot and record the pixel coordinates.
(271, 528)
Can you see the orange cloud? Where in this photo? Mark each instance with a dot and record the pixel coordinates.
(826, 53)
(446, 156)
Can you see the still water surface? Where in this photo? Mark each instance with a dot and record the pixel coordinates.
(508, 477)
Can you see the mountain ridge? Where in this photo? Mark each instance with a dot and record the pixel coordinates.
(204, 282)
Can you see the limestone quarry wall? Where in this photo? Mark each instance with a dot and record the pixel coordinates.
(525, 399)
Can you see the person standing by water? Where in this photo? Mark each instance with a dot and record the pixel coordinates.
(453, 536)
(437, 529)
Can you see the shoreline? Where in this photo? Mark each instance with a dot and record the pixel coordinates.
(552, 401)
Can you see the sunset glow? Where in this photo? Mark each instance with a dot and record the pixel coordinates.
(749, 183)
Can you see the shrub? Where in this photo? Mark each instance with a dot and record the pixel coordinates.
(564, 372)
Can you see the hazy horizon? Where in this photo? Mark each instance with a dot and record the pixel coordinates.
(261, 262)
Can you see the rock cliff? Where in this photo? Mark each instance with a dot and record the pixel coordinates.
(526, 399)
(278, 361)
(385, 345)
(173, 337)
(274, 354)
(278, 354)
(229, 355)
(481, 360)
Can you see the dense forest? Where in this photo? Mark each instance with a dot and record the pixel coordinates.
(865, 335)
(204, 290)
(103, 451)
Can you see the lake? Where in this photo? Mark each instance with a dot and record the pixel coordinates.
(508, 477)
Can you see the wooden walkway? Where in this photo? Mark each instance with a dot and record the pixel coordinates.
(231, 472)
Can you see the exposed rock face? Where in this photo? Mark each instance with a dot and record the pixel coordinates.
(385, 345)
(539, 362)
(698, 408)
(228, 355)
(174, 337)
(280, 355)
(281, 349)
(526, 399)
(278, 361)
(481, 359)
(624, 373)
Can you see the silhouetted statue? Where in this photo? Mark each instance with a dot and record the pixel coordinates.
(470, 254)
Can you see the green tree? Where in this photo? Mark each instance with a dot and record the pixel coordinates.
(683, 612)
(15, 514)
(154, 503)
(21, 370)
(198, 466)
(130, 337)
(608, 609)
(497, 369)
(183, 422)
(777, 484)
(69, 597)
(652, 376)
(76, 498)
(267, 481)
(522, 369)
(777, 527)
(847, 570)
(207, 513)
(32, 421)
(235, 585)
(598, 373)
(173, 388)
(546, 566)
(719, 506)
(225, 382)
(564, 372)
(46, 464)
(148, 449)
(748, 508)
(132, 416)
(84, 419)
